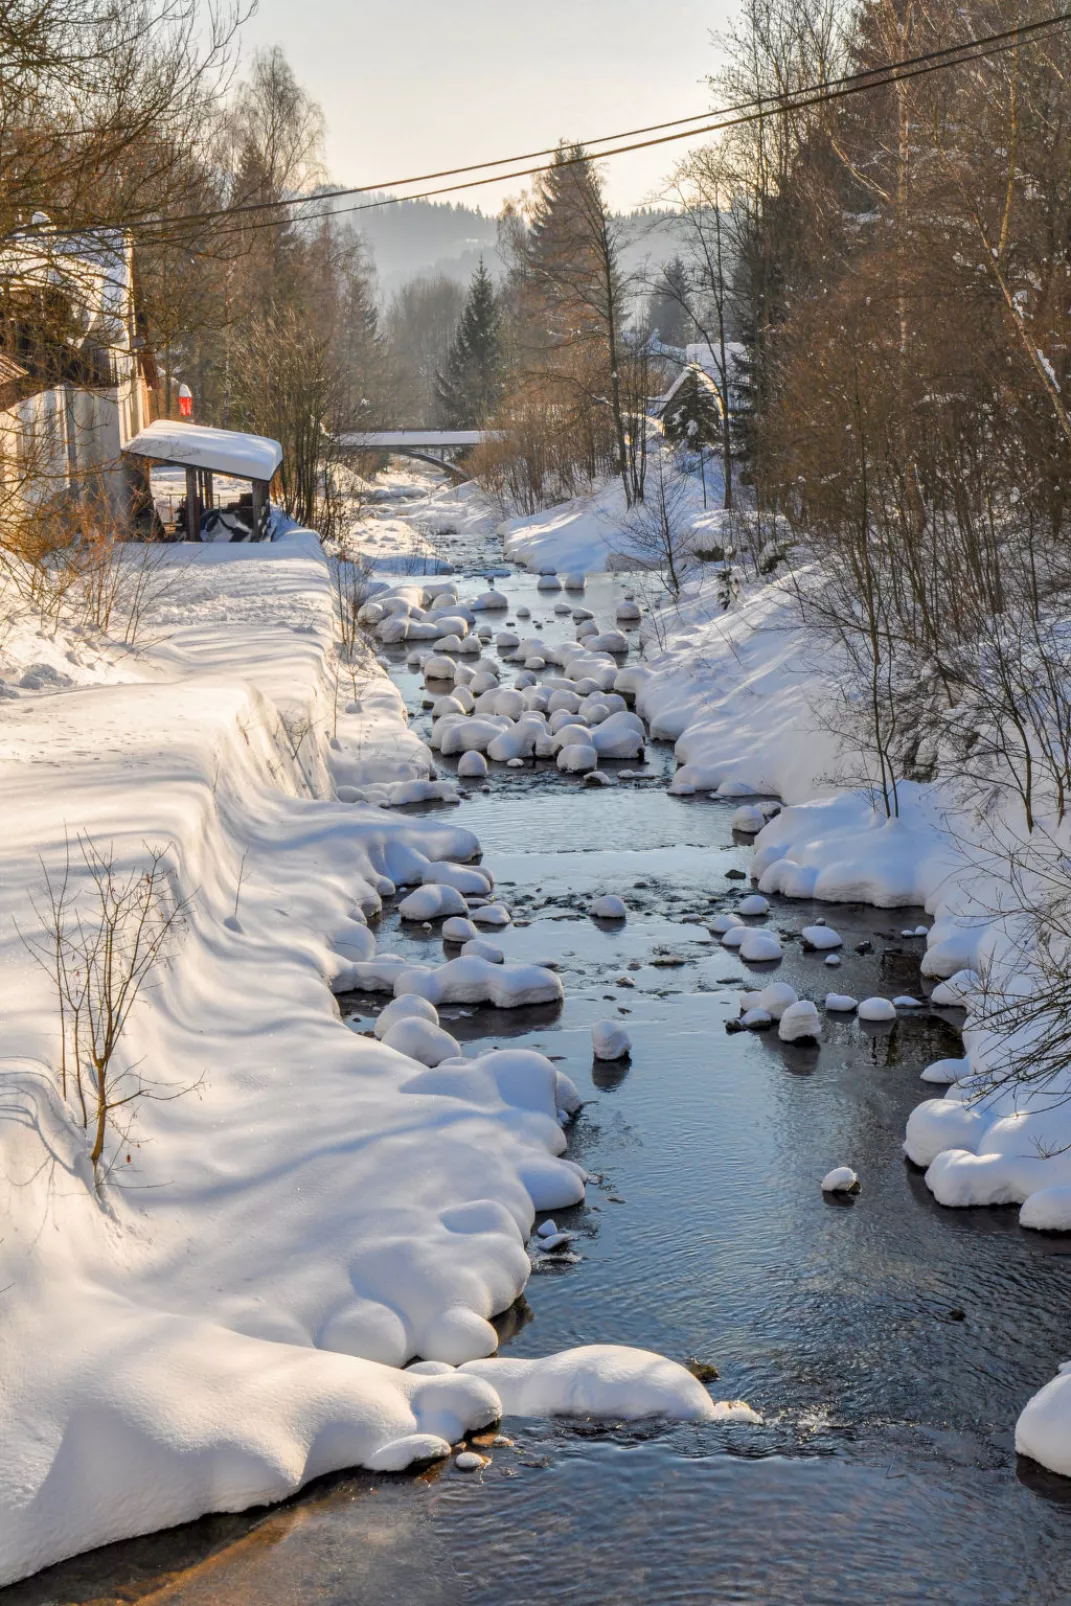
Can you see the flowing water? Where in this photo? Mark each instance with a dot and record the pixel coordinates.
(888, 1343)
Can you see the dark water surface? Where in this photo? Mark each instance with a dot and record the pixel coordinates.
(885, 1470)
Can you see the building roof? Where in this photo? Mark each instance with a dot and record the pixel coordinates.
(696, 375)
(223, 451)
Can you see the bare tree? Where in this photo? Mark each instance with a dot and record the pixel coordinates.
(100, 945)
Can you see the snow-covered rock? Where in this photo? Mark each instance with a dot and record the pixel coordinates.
(609, 1041)
(821, 937)
(877, 1009)
(432, 903)
(600, 1380)
(841, 1003)
(492, 914)
(840, 1180)
(421, 1040)
(408, 1007)
(759, 947)
(608, 907)
(800, 1022)
(472, 766)
(1048, 1209)
(464, 878)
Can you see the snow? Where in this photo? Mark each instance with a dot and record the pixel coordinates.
(841, 1180)
(1048, 1210)
(775, 999)
(233, 1318)
(421, 1040)
(877, 1009)
(821, 938)
(840, 1003)
(408, 1007)
(608, 907)
(432, 903)
(226, 451)
(1043, 1430)
(602, 1380)
(759, 947)
(800, 1022)
(472, 766)
(609, 1041)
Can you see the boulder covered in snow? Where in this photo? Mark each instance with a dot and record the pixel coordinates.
(609, 1041)
(432, 903)
(840, 1180)
(421, 1040)
(880, 1010)
(472, 766)
(408, 1007)
(759, 947)
(821, 938)
(800, 1023)
(608, 907)
(598, 1380)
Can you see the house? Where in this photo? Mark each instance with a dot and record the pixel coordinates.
(76, 381)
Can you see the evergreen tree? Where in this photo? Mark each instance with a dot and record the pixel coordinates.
(468, 386)
(694, 414)
(668, 311)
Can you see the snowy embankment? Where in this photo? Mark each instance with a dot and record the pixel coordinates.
(591, 534)
(297, 1210)
(747, 698)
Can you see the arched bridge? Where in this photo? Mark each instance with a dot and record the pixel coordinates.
(437, 446)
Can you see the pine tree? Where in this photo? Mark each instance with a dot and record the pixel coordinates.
(467, 388)
(694, 415)
(668, 309)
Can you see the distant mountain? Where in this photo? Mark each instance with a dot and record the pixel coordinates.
(420, 239)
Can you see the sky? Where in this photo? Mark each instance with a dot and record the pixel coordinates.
(411, 86)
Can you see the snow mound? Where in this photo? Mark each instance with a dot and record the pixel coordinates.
(760, 947)
(877, 1009)
(609, 1041)
(466, 980)
(608, 907)
(599, 1380)
(432, 903)
(841, 1180)
(1048, 1210)
(408, 1007)
(421, 1040)
(821, 938)
(800, 1022)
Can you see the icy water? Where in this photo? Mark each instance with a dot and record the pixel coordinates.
(888, 1343)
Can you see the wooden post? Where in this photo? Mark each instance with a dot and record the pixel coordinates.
(210, 491)
(260, 510)
(193, 508)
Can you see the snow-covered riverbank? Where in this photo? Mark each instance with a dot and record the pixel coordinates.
(297, 1210)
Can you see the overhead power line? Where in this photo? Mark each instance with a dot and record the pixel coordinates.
(758, 109)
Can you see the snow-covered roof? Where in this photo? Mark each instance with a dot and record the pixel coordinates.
(224, 451)
(93, 268)
(693, 372)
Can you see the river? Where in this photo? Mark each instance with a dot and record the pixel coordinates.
(889, 1344)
